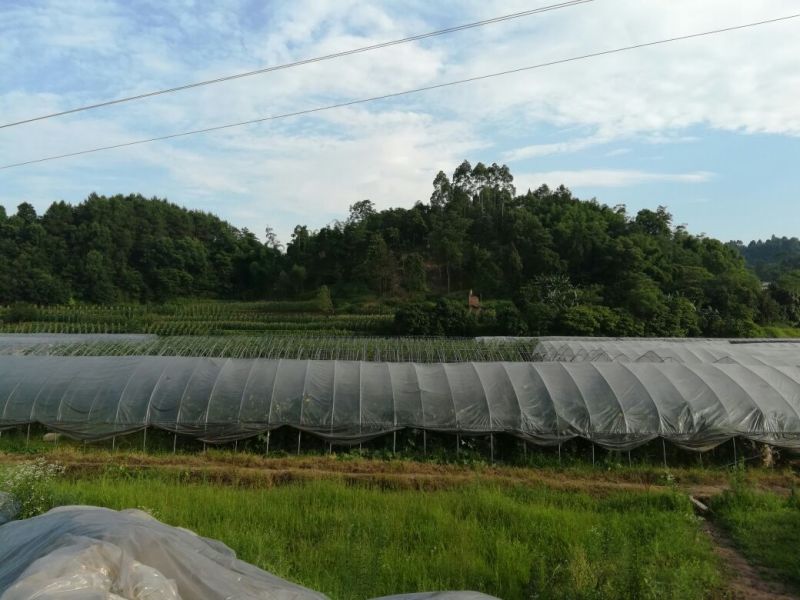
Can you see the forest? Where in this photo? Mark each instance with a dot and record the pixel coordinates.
(541, 262)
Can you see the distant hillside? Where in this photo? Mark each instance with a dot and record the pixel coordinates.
(541, 262)
(771, 258)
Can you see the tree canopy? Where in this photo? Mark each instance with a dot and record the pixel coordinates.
(542, 261)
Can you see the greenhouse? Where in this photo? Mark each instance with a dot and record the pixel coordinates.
(697, 396)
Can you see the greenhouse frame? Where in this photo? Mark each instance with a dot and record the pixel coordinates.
(618, 394)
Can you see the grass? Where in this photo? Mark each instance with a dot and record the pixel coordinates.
(357, 541)
(766, 528)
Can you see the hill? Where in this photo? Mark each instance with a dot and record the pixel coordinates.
(543, 262)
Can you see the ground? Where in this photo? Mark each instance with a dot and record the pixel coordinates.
(514, 532)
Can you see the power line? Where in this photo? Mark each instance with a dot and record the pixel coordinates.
(403, 93)
(413, 38)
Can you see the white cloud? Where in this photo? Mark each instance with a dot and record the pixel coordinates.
(537, 150)
(61, 55)
(606, 178)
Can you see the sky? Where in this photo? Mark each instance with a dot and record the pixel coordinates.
(708, 127)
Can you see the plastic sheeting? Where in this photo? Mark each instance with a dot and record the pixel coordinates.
(615, 404)
(682, 350)
(89, 553)
(13, 343)
(9, 508)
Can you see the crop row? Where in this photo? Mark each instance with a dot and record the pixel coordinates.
(299, 347)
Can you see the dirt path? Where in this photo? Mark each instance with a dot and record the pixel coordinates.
(745, 581)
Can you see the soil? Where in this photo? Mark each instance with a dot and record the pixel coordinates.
(745, 581)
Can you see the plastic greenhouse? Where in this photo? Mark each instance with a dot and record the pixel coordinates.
(617, 393)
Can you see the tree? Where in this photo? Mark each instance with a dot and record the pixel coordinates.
(361, 211)
(271, 239)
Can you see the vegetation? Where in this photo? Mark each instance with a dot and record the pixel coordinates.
(543, 262)
(297, 346)
(771, 258)
(766, 526)
(31, 486)
(202, 318)
(514, 542)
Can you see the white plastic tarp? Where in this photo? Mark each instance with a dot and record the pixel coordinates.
(89, 553)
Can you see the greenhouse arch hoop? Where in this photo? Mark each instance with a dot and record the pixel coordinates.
(618, 405)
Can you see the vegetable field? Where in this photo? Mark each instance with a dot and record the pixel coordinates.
(194, 318)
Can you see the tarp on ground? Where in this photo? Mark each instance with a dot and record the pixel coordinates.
(615, 404)
(89, 553)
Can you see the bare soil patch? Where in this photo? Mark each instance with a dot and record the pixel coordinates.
(745, 580)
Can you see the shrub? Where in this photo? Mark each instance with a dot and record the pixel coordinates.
(412, 319)
(31, 484)
(21, 311)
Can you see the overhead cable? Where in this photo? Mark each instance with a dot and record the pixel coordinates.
(402, 93)
(413, 38)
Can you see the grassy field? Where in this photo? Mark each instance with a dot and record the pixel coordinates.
(766, 527)
(356, 527)
(358, 541)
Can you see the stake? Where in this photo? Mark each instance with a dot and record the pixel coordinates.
(664, 450)
(299, 436)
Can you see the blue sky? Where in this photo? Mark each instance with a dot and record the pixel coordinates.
(708, 127)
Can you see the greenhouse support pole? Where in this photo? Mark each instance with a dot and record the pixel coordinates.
(701, 459)
(425, 442)
(28, 437)
(735, 460)
(144, 441)
(174, 442)
(267, 452)
(592, 453)
(491, 447)
(525, 449)
(113, 443)
(394, 442)
(664, 451)
(629, 459)
(235, 446)
(559, 454)
(299, 437)
(458, 443)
